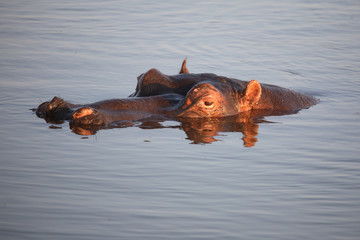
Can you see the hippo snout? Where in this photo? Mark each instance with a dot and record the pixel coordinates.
(42, 109)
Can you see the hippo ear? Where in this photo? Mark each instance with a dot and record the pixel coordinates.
(184, 68)
(252, 92)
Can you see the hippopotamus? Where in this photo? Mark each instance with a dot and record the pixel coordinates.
(183, 97)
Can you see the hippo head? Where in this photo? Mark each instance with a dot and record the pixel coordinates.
(206, 100)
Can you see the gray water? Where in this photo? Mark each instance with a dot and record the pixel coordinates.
(299, 180)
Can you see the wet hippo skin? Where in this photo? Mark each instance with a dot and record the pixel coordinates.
(184, 96)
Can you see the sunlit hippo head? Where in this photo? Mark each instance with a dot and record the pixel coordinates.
(219, 100)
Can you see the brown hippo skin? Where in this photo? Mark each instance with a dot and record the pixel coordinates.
(183, 96)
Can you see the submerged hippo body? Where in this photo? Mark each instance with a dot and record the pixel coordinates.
(182, 96)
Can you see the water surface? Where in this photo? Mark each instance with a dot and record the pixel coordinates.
(300, 179)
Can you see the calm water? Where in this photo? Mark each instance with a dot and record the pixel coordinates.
(300, 180)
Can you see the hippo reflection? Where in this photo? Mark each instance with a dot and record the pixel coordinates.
(204, 104)
(201, 130)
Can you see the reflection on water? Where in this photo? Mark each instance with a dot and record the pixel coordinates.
(197, 130)
(201, 131)
(204, 131)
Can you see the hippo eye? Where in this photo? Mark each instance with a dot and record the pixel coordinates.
(208, 103)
